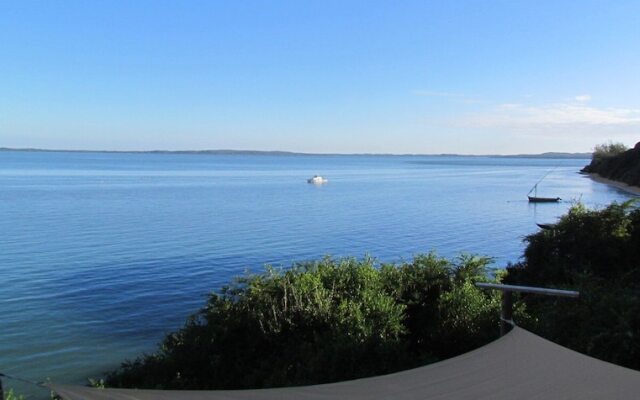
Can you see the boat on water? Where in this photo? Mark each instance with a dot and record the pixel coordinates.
(317, 180)
(536, 199)
(546, 226)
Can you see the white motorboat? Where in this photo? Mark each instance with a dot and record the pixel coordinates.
(317, 180)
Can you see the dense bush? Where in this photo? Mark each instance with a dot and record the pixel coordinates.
(324, 321)
(598, 253)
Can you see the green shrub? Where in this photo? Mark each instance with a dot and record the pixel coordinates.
(324, 321)
(11, 395)
(598, 253)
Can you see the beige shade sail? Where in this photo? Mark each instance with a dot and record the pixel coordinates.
(519, 365)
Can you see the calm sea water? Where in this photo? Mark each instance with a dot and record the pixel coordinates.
(102, 254)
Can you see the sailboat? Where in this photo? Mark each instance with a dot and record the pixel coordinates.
(536, 199)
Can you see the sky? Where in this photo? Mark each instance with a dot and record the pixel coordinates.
(466, 77)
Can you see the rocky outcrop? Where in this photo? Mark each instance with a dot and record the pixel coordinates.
(624, 167)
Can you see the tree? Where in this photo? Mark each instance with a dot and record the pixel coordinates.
(609, 149)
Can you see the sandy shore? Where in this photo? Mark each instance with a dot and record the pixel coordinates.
(620, 185)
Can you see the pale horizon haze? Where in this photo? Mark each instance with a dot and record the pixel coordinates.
(421, 77)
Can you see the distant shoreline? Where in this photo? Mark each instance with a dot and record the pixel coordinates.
(619, 185)
(550, 155)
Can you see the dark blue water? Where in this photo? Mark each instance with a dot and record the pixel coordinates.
(102, 254)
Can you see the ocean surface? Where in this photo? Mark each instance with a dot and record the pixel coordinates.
(101, 254)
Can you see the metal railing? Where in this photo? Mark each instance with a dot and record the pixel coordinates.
(506, 312)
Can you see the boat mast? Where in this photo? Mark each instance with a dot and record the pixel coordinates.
(535, 187)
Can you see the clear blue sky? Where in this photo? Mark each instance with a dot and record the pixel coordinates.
(329, 76)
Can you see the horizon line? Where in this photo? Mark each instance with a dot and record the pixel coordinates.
(549, 154)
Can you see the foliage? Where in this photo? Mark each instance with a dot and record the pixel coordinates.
(598, 253)
(608, 149)
(11, 395)
(323, 321)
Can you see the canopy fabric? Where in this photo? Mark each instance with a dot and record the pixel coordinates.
(519, 365)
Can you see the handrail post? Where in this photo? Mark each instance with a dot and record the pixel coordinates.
(506, 313)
